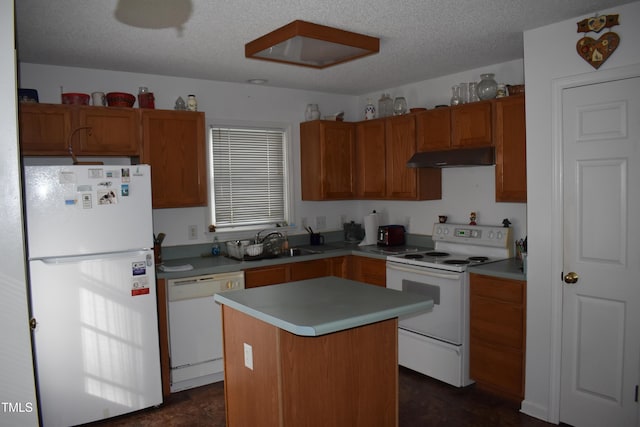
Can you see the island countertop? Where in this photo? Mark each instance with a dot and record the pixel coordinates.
(324, 305)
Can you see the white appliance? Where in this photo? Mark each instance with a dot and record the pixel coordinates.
(93, 291)
(195, 328)
(436, 343)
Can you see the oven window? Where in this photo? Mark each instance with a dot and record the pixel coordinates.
(424, 289)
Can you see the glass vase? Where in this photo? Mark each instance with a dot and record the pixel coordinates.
(455, 95)
(487, 88)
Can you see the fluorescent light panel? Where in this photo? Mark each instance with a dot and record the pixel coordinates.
(311, 45)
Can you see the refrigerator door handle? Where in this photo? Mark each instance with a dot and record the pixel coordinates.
(79, 258)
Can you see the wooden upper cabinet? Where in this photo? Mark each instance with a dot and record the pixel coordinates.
(434, 129)
(471, 125)
(511, 147)
(401, 145)
(48, 129)
(44, 129)
(327, 150)
(403, 182)
(112, 131)
(174, 145)
(371, 159)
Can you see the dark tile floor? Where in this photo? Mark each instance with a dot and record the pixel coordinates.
(423, 402)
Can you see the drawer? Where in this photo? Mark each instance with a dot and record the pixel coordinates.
(507, 290)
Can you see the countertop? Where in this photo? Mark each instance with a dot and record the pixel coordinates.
(203, 265)
(508, 269)
(324, 305)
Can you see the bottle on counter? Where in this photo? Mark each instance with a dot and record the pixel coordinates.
(215, 248)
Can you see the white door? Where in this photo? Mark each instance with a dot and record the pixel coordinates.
(601, 310)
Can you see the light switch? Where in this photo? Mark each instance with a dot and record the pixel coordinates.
(248, 356)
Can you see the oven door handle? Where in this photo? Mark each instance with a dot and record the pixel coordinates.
(422, 271)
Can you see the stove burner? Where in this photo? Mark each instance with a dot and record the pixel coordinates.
(457, 261)
(437, 254)
(478, 258)
(414, 256)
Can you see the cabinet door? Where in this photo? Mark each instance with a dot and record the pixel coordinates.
(401, 145)
(471, 125)
(497, 334)
(337, 156)
(434, 129)
(174, 145)
(44, 129)
(308, 269)
(511, 147)
(338, 266)
(112, 132)
(369, 270)
(327, 160)
(371, 159)
(263, 276)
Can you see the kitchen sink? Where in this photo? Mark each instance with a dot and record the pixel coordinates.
(293, 252)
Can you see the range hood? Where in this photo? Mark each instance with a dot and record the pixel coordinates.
(483, 156)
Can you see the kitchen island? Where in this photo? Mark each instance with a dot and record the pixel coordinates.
(318, 352)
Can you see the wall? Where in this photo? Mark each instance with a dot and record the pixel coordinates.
(550, 54)
(17, 390)
(464, 190)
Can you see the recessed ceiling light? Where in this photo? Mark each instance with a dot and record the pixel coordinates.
(311, 45)
(257, 81)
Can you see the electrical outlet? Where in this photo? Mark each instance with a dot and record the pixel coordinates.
(343, 219)
(303, 222)
(248, 356)
(321, 222)
(193, 232)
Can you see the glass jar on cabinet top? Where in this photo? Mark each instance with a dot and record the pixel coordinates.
(487, 88)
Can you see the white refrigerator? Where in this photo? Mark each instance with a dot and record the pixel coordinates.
(92, 290)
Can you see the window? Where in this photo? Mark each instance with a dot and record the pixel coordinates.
(249, 177)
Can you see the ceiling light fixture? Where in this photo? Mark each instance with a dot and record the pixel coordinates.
(154, 14)
(311, 45)
(257, 81)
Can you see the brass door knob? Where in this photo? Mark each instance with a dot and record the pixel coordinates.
(571, 277)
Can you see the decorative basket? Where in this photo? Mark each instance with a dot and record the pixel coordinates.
(75, 98)
(120, 99)
(515, 89)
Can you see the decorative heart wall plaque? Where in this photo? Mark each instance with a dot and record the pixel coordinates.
(596, 52)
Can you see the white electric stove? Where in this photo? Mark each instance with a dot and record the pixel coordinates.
(436, 343)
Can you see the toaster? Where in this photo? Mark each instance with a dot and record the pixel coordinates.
(391, 235)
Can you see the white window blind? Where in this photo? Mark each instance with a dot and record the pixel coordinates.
(248, 176)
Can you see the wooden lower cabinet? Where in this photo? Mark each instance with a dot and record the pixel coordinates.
(368, 270)
(497, 336)
(345, 378)
(362, 269)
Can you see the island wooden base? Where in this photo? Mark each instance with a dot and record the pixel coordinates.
(347, 378)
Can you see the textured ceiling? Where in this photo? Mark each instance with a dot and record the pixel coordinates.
(419, 39)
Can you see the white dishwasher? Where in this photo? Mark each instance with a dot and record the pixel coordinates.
(195, 328)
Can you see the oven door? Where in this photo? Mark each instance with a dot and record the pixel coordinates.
(448, 291)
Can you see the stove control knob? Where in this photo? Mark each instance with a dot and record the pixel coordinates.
(491, 234)
(499, 235)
